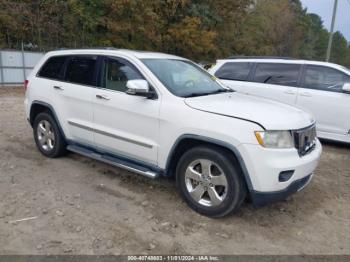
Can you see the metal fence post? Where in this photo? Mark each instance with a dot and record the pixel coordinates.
(1, 70)
(23, 64)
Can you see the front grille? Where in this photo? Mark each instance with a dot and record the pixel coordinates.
(305, 140)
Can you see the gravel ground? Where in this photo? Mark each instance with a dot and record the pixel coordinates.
(81, 206)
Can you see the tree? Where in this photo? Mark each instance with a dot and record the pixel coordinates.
(339, 49)
(268, 29)
(198, 29)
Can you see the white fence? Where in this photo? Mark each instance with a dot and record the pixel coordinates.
(16, 65)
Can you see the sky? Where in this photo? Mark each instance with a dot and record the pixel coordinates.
(324, 9)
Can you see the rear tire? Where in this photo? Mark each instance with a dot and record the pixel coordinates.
(48, 137)
(210, 182)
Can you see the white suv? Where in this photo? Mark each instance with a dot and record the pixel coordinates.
(157, 114)
(318, 87)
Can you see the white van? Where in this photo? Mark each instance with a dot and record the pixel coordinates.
(318, 87)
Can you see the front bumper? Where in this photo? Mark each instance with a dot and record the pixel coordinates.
(263, 198)
(264, 167)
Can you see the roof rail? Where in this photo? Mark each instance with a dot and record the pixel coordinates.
(84, 48)
(261, 57)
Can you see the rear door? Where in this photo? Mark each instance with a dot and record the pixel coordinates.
(74, 95)
(321, 93)
(125, 125)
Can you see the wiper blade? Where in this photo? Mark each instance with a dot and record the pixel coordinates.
(210, 93)
(229, 90)
(197, 94)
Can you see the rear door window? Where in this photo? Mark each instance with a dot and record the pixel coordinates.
(234, 71)
(53, 68)
(277, 74)
(324, 78)
(81, 70)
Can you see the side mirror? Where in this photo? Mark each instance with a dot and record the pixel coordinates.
(346, 88)
(139, 87)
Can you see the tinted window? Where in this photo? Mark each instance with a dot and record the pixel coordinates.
(81, 70)
(117, 72)
(234, 71)
(278, 74)
(324, 78)
(52, 68)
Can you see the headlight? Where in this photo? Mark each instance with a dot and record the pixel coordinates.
(275, 139)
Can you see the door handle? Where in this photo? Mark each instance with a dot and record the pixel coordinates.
(103, 97)
(58, 88)
(289, 92)
(305, 94)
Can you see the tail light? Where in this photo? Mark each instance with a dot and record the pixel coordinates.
(26, 82)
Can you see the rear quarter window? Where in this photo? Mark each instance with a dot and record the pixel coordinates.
(234, 71)
(53, 68)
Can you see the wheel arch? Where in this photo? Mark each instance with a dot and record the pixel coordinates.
(187, 141)
(38, 107)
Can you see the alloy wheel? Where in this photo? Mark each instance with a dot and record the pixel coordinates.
(206, 182)
(45, 135)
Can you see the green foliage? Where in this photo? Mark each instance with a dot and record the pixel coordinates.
(339, 49)
(199, 29)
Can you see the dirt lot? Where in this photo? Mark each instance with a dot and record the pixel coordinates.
(83, 206)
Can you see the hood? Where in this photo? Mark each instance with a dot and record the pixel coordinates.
(269, 114)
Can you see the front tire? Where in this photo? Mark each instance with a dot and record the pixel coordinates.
(48, 137)
(210, 182)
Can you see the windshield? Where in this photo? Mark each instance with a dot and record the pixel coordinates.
(183, 78)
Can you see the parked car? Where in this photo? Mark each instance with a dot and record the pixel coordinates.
(318, 87)
(162, 115)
